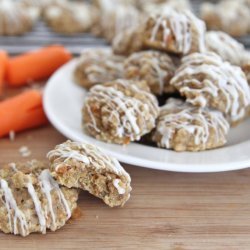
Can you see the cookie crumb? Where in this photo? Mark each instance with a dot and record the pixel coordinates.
(12, 135)
(24, 151)
(97, 217)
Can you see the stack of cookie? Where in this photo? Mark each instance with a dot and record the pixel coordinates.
(170, 57)
(35, 196)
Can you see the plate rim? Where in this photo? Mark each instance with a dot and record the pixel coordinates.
(132, 160)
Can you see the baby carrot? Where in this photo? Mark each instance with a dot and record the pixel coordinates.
(3, 66)
(36, 65)
(22, 112)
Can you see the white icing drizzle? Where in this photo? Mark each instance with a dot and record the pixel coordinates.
(87, 154)
(48, 184)
(206, 74)
(117, 102)
(161, 65)
(11, 205)
(120, 189)
(226, 46)
(176, 115)
(180, 25)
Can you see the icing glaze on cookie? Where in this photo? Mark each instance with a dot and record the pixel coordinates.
(226, 46)
(90, 155)
(204, 78)
(183, 26)
(124, 109)
(177, 115)
(15, 214)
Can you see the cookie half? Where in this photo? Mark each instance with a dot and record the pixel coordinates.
(32, 201)
(80, 165)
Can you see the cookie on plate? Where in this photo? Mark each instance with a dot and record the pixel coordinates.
(229, 16)
(68, 17)
(183, 127)
(120, 111)
(207, 81)
(32, 201)
(80, 165)
(154, 67)
(176, 32)
(225, 46)
(16, 19)
(98, 66)
(128, 41)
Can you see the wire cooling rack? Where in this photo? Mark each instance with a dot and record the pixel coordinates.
(42, 36)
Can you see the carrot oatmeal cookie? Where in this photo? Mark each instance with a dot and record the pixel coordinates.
(176, 32)
(207, 81)
(68, 17)
(120, 111)
(80, 165)
(158, 8)
(16, 19)
(32, 201)
(225, 46)
(115, 18)
(183, 127)
(154, 67)
(128, 41)
(229, 16)
(98, 66)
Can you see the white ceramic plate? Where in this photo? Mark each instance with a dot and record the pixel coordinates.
(63, 101)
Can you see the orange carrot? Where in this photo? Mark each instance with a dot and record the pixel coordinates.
(3, 66)
(36, 65)
(22, 112)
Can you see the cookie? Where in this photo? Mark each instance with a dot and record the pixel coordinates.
(150, 7)
(225, 46)
(115, 18)
(229, 16)
(98, 66)
(32, 201)
(154, 67)
(128, 41)
(183, 127)
(207, 81)
(80, 165)
(120, 111)
(15, 19)
(176, 32)
(68, 17)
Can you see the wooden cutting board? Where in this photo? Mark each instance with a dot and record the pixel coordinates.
(166, 211)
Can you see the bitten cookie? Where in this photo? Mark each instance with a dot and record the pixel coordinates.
(207, 81)
(68, 17)
(225, 46)
(32, 201)
(16, 19)
(98, 66)
(154, 67)
(120, 112)
(183, 127)
(84, 166)
(176, 32)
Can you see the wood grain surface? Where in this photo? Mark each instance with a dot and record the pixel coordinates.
(166, 211)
